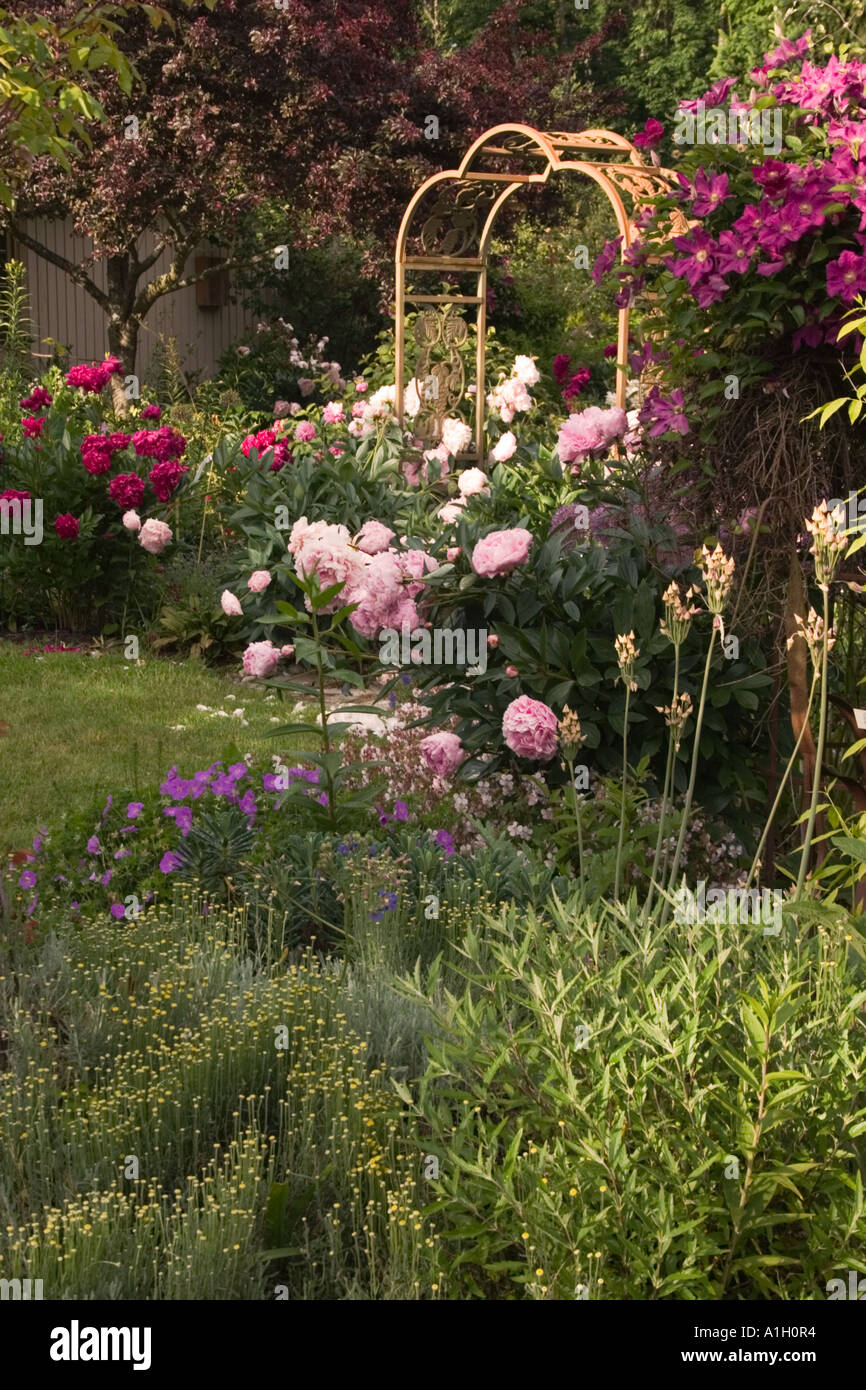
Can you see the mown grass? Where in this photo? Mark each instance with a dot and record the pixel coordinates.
(80, 725)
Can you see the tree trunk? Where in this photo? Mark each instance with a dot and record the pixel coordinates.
(123, 325)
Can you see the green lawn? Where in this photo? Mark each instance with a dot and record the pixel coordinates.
(81, 726)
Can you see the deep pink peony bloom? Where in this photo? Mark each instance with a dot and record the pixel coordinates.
(94, 377)
(163, 444)
(501, 552)
(32, 427)
(561, 363)
(305, 430)
(260, 659)
(66, 526)
(127, 490)
(530, 729)
(165, 477)
(333, 412)
(152, 412)
(38, 398)
(442, 752)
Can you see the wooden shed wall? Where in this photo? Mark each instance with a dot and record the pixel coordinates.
(63, 311)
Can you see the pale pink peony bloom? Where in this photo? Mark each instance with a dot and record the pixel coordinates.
(455, 435)
(154, 536)
(260, 659)
(501, 552)
(442, 752)
(306, 385)
(512, 672)
(327, 552)
(452, 511)
(590, 431)
(472, 481)
(525, 370)
(258, 581)
(132, 521)
(530, 729)
(452, 553)
(333, 412)
(305, 430)
(230, 604)
(493, 641)
(281, 409)
(287, 651)
(373, 537)
(505, 447)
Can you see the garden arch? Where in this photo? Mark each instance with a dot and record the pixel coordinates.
(446, 233)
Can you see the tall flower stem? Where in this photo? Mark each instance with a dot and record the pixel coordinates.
(323, 712)
(692, 776)
(819, 755)
(575, 806)
(785, 775)
(669, 771)
(622, 801)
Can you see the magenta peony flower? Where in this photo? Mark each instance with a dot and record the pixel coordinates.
(442, 752)
(132, 521)
(530, 729)
(127, 490)
(38, 398)
(165, 477)
(258, 581)
(260, 659)
(374, 537)
(66, 526)
(94, 377)
(162, 444)
(305, 430)
(152, 412)
(501, 552)
(230, 605)
(32, 427)
(154, 536)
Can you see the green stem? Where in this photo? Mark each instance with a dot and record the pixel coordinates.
(323, 711)
(622, 801)
(669, 769)
(576, 809)
(785, 775)
(692, 777)
(819, 756)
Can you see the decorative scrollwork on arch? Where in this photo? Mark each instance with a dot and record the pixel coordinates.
(454, 223)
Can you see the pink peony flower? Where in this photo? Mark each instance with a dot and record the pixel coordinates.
(306, 385)
(152, 412)
(260, 659)
(442, 752)
(512, 672)
(472, 481)
(530, 729)
(132, 521)
(455, 435)
(589, 431)
(164, 478)
(281, 409)
(333, 412)
(154, 536)
(38, 398)
(373, 537)
(305, 430)
(493, 641)
(230, 604)
(327, 552)
(287, 651)
(452, 511)
(163, 444)
(94, 377)
(127, 490)
(501, 552)
(258, 581)
(505, 447)
(525, 370)
(32, 427)
(66, 526)
(452, 553)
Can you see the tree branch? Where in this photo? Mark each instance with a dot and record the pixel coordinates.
(75, 272)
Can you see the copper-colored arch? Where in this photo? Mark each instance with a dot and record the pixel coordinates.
(555, 148)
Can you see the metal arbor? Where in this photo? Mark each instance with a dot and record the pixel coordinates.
(446, 232)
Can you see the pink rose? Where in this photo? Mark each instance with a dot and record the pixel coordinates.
(305, 430)
(471, 482)
(501, 552)
(258, 581)
(230, 605)
(505, 447)
(132, 521)
(442, 752)
(530, 729)
(373, 538)
(154, 536)
(260, 658)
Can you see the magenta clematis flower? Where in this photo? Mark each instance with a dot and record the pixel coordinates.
(846, 277)
(663, 415)
(605, 259)
(651, 135)
(699, 260)
(733, 254)
(709, 192)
